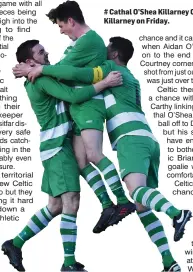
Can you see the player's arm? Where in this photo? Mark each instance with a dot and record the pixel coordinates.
(67, 72)
(86, 75)
(77, 95)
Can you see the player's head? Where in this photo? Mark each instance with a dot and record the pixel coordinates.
(67, 15)
(32, 52)
(120, 50)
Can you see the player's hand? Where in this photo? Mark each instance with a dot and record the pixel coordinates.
(114, 79)
(34, 73)
(21, 70)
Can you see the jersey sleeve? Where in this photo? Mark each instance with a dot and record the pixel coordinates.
(102, 71)
(63, 92)
(68, 72)
(107, 67)
(86, 75)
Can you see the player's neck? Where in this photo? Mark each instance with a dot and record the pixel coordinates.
(81, 30)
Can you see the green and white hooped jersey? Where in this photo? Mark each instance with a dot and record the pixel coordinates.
(53, 117)
(124, 115)
(54, 132)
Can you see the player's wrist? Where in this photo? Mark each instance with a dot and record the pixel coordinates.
(105, 83)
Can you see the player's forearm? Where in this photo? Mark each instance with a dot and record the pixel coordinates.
(68, 72)
(86, 93)
(100, 86)
(73, 95)
(80, 95)
(64, 92)
(77, 95)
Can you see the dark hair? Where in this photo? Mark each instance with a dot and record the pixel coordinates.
(124, 47)
(66, 10)
(24, 51)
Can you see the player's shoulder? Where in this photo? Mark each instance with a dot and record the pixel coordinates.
(29, 86)
(109, 64)
(37, 87)
(40, 81)
(91, 33)
(130, 77)
(32, 89)
(90, 37)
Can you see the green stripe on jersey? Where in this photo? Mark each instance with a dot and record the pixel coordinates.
(123, 106)
(53, 116)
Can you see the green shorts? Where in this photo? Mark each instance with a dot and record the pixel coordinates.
(61, 172)
(139, 154)
(89, 115)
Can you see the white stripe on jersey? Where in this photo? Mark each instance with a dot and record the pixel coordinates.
(47, 154)
(60, 107)
(54, 132)
(123, 118)
(139, 132)
(109, 101)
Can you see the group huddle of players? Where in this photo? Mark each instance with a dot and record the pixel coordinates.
(71, 100)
